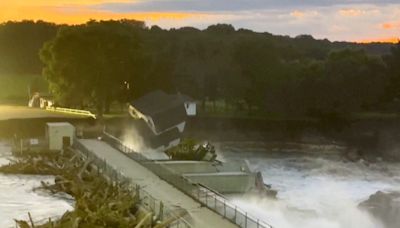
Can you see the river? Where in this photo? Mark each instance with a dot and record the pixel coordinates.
(314, 190)
(17, 197)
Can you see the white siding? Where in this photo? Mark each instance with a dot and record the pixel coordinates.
(55, 132)
(190, 108)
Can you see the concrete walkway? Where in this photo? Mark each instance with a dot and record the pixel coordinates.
(157, 188)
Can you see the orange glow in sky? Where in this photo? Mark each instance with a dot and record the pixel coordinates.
(372, 23)
(75, 12)
(393, 40)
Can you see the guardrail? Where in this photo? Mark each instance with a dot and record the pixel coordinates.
(115, 177)
(71, 111)
(200, 193)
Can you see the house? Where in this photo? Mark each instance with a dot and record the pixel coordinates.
(164, 114)
(141, 138)
(161, 112)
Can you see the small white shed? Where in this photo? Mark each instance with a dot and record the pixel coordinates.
(59, 134)
(190, 107)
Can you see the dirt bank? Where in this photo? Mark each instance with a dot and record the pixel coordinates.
(376, 137)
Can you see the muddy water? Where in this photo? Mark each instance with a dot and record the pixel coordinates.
(17, 197)
(315, 189)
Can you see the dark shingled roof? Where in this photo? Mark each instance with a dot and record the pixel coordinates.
(165, 110)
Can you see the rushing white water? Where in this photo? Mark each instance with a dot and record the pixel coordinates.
(315, 191)
(17, 197)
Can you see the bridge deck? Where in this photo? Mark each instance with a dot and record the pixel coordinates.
(159, 189)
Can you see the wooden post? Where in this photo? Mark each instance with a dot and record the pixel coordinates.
(245, 221)
(235, 213)
(215, 202)
(31, 220)
(20, 144)
(224, 208)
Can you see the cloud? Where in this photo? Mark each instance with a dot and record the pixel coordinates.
(354, 12)
(352, 20)
(19, 3)
(72, 14)
(351, 12)
(297, 14)
(231, 5)
(388, 25)
(304, 14)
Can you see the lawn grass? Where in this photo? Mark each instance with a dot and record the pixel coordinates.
(375, 115)
(14, 88)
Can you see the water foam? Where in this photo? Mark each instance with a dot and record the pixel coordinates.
(316, 191)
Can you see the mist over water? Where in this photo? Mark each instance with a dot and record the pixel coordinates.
(315, 191)
(132, 139)
(17, 197)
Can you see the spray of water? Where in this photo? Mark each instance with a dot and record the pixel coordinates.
(132, 139)
(334, 212)
(313, 191)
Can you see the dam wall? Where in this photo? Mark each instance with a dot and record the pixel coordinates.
(182, 167)
(225, 182)
(225, 178)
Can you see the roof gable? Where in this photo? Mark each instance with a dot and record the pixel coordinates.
(155, 102)
(165, 110)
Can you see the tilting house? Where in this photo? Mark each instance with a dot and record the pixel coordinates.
(164, 114)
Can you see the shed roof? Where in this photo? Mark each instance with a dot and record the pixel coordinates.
(155, 102)
(59, 124)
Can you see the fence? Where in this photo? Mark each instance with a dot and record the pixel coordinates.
(200, 193)
(115, 177)
(71, 111)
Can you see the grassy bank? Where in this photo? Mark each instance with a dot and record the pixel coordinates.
(15, 87)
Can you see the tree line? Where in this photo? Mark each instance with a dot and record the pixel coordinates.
(101, 62)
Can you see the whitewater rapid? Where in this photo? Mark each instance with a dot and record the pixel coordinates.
(314, 190)
(17, 197)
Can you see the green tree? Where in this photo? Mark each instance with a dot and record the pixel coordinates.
(92, 62)
(20, 43)
(393, 62)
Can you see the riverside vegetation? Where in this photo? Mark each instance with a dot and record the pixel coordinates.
(98, 203)
(233, 72)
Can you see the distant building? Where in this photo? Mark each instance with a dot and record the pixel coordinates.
(190, 105)
(39, 100)
(34, 102)
(46, 101)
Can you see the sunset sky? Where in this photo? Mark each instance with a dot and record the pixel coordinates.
(350, 20)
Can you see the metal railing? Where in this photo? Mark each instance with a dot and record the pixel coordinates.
(200, 193)
(71, 111)
(115, 176)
